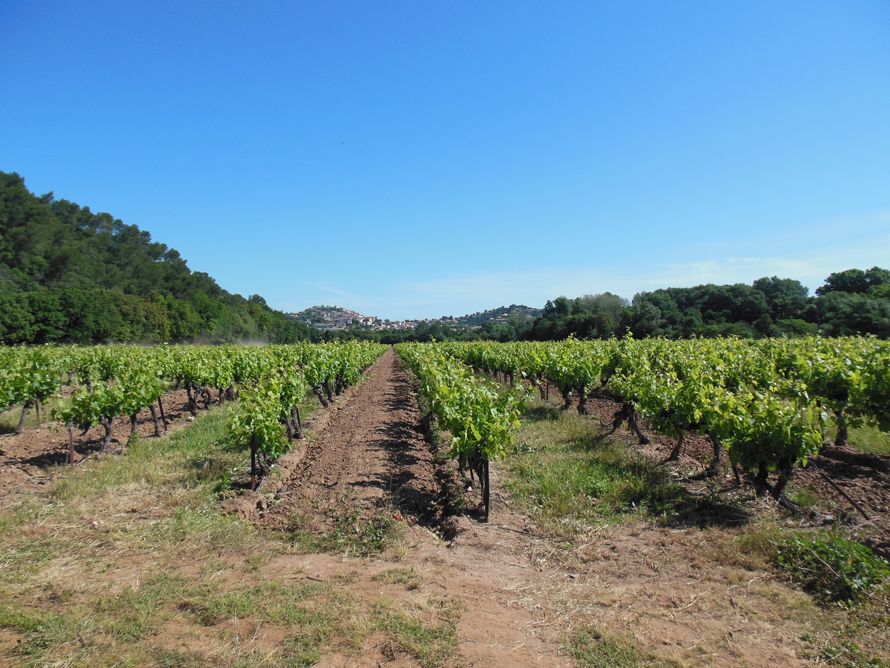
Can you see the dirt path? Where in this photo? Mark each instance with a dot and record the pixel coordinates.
(368, 456)
(371, 456)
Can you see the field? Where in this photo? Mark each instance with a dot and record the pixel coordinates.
(364, 546)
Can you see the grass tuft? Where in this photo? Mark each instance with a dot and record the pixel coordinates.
(405, 576)
(594, 649)
(428, 632)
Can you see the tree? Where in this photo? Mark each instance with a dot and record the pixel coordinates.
(854, 280)
(786, 297)
(647, 318)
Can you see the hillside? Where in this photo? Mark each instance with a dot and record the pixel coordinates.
(336, 318)
(499, 314)
(69, 275)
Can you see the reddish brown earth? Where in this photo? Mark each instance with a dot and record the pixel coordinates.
(370, 459)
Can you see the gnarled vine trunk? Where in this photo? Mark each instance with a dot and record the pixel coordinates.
(25, 408)
(133, 426)
(106, 425)
(566, 398)
(679, 447)
(717, 459)
(582, 402)
(317, 391)
(154, 417)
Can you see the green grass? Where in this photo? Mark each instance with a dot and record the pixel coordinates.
(594, 649)
(848, 655)
(805, 496)
(832, 567)
(569, 477)
(9, 419)
(591, 647)
(870, 439)
(427, 631)
(405, 576)
(560, 468)
(186, 460)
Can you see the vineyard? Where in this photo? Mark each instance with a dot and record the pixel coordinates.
(744, 414)
(93, 386)
(767, 404)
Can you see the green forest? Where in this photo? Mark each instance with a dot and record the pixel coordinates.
(68, 275)
(73, 276)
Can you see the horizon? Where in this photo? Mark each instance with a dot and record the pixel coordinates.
(414, 160)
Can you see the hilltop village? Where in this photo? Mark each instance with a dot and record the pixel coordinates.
(336, 318)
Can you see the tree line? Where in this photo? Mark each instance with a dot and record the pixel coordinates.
(850, 302)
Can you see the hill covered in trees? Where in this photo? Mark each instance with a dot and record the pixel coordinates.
(69, 275)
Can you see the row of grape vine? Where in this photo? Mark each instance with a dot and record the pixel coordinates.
(766, 402)
(270, 382)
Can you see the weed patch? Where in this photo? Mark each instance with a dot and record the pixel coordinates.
(428, 632)
(848, 655)
(347, 526)
(867, 438)
(831, 567)
(405, 576)
(560, 468)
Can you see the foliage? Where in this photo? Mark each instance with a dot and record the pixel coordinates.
(87, 407)
(832, 567)
(255, 425)
(479, 416)
(851, 302)
(764, 401)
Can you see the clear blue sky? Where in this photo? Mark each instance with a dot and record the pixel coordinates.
(422, 158)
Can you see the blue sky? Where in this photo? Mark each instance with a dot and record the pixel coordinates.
(419, 158)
